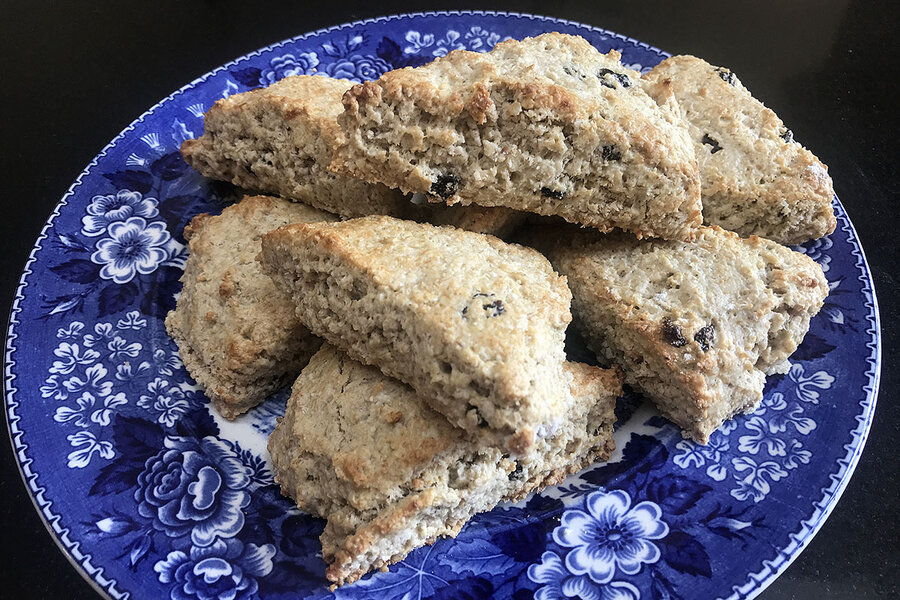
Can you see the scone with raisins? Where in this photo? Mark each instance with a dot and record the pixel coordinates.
(696, 327)
(475, 325)
(279, 140)
(756, 178)
(546, 125)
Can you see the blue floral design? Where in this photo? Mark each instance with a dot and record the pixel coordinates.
(612, 534)
(53, 388)
(133, 246)
(358, 68)
(86, 413)
(111, 404)
(106, 209)
(81, 415)
(303, 63)
(88, 445)
(226, 569)
(120, 348)
(102, 332)
(70, 333)
(770, 441)
(93, 382)
(197, 487)
(165, 362)
(132, 320)
(755, 478)
(808, 386)
(480, 39)
(166, 401)
(760, 438)
(417, 41)
(477, 39)
(695, 455)
(560, 584)
(70, 356)
(818, 251)
(128, 371)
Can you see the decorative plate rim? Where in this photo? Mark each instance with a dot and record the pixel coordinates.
(755, 582)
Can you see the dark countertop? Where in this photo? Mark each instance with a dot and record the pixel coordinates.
(76, 74)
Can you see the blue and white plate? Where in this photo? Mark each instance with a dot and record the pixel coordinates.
(153, 496)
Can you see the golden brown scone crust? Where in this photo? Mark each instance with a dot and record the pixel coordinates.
(365, 452)
(279, 140)
(696, 327)
(236, 332)
(546, 125)
(756, 179)
(474, 324)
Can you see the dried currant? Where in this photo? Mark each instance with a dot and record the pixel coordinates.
(495, 308)
(787, 136)
(491, 308)
(609, 78)
(706, 336)
(714, 145)
(672, 333)
(610, 153)
(573, 72)
(726, 75)
(445, 185)
(557, 194)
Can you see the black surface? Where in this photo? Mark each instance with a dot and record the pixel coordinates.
(75, 74)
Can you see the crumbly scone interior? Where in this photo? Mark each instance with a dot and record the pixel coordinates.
(554, 137)
(477, 330)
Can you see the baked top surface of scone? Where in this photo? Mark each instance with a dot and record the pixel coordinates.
(390, 474)
(236, 331)
(546, 125)
(475, 325)
(756, 179)
(696, 327)
(280, 140)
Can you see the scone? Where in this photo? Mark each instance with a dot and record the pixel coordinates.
(489, 220)
(236, 332)
(279, 140)
(696, 327)
(475, 325)
(546, 125)
(756, 178)
(389, 474)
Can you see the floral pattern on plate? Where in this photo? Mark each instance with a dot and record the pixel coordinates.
(155, 496)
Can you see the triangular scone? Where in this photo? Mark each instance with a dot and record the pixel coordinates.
(696, 327)
(547, 125)
(279, 140)
(756, 179)
(475, 325)
(365, 452)
(237, 333)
